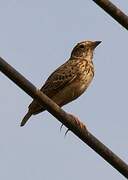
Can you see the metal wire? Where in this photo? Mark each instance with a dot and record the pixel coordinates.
(77, 127)
(113, 11)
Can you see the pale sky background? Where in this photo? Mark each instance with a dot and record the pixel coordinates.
(36, 37)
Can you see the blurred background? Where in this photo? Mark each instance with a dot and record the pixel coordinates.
(35, 38)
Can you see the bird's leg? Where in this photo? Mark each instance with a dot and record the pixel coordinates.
(77, 121)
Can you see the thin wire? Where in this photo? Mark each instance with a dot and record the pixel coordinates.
(113, 11)
(77, 127)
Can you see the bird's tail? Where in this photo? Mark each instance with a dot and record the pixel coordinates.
(26, 118)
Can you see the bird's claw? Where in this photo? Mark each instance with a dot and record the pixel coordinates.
(61, 127)
(66, 133)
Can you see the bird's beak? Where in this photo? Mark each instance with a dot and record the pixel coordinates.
(96, 43)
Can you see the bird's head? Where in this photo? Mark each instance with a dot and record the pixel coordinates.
(84, 49)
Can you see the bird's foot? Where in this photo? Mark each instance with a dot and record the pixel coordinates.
(77, 121)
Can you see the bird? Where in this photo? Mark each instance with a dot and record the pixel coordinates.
(68, 81)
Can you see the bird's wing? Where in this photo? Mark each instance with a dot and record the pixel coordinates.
(60, 78)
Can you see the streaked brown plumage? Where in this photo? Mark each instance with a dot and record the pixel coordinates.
(70, 80)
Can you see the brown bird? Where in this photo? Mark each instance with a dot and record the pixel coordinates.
(68, 81)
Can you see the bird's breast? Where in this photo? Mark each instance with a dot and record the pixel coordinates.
(85, 77)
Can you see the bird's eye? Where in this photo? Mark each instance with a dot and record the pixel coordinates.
(81, 46)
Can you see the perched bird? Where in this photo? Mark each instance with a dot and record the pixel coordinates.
(68, 81)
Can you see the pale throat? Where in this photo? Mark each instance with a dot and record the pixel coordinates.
(88, 55)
